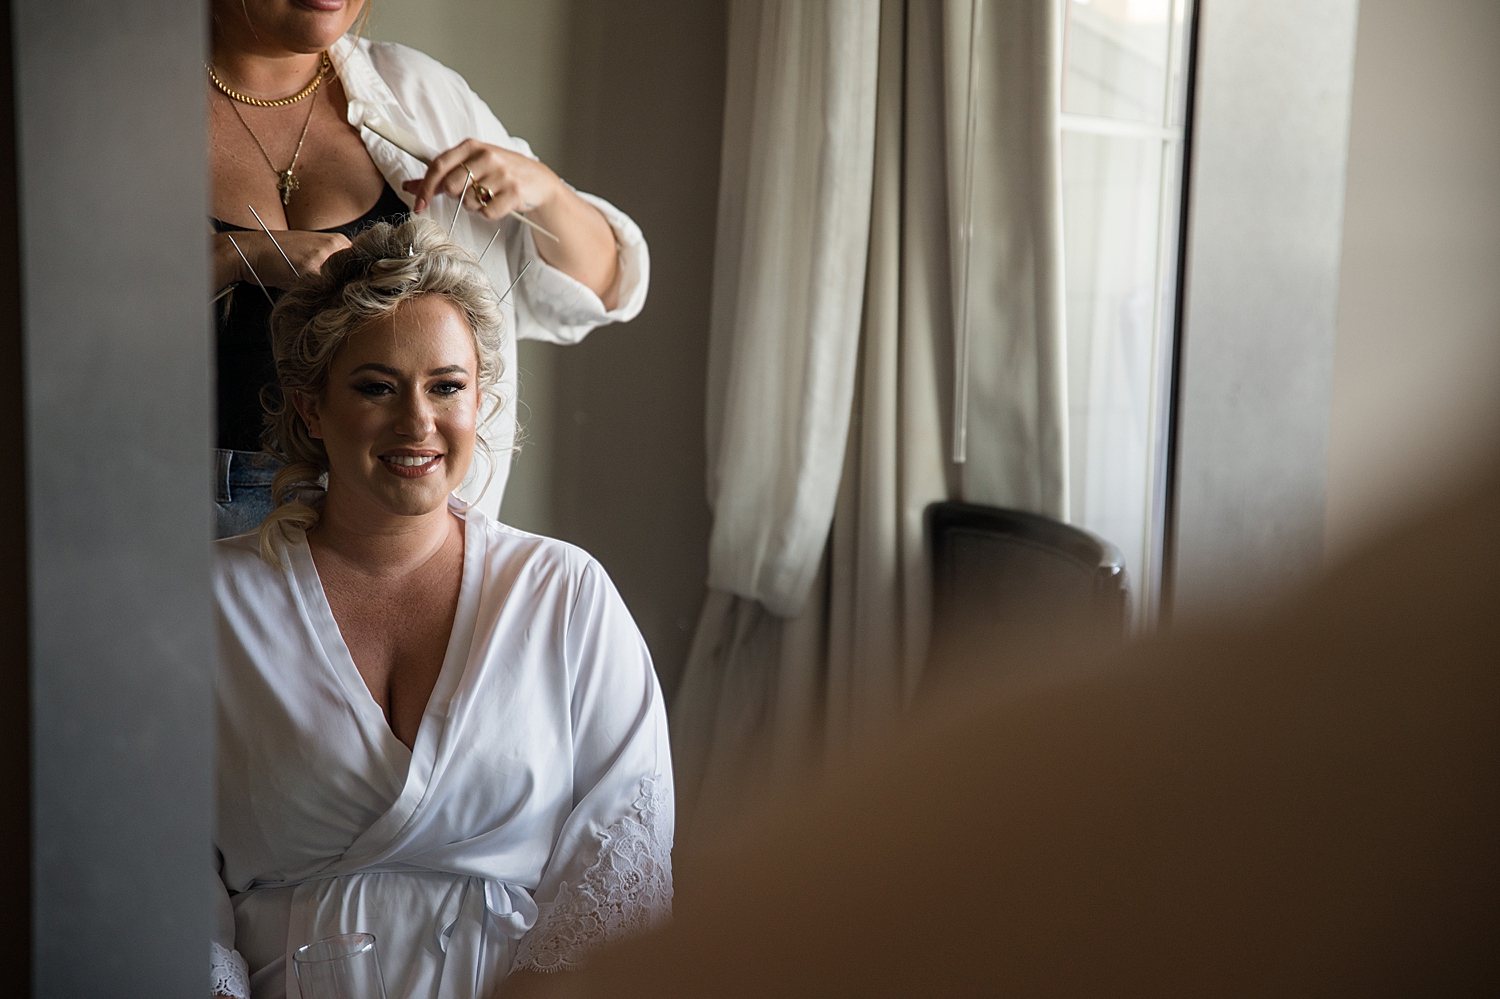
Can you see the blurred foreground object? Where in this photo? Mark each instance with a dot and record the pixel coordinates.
(1309, 806)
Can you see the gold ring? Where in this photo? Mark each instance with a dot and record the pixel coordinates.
(483, 193)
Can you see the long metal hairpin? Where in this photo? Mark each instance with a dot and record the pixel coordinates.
(279, 250)
(252, 268)
(480, 258)
(467, 181)
(516, 281)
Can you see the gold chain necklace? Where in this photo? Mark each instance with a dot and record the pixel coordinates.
(286, 180)
(324, 65)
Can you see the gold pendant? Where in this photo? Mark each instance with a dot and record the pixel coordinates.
(286, 183)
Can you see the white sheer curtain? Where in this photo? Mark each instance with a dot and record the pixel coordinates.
(832, 363)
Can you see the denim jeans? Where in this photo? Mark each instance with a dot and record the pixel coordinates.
(242, 490)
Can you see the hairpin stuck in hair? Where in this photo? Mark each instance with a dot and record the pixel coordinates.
(516, 281)
(273, 241)
(251, 268)
(480, 258)
(467, 181)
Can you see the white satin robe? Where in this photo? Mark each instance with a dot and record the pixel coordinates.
(533, 815)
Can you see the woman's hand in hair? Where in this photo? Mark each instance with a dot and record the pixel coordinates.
(306, 250)
(585, 245)
(515, 182)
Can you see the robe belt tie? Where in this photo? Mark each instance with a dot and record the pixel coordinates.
(509, 908)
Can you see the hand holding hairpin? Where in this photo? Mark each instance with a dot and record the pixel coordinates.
(284, 255)
(503, 182)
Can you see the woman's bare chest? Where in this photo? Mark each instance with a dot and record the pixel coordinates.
(398, 637)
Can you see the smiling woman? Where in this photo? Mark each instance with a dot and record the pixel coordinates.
(383, 358)
(432, 727)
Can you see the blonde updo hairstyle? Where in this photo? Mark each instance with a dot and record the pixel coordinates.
(386, 267)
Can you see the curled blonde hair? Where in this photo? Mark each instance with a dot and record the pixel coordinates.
(386, 267)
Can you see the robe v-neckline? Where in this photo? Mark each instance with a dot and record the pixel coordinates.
(418, 761)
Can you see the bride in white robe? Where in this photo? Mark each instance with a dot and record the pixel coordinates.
(531, 818)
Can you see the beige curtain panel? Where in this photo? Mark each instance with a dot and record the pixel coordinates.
(794, 224)
(836, 381)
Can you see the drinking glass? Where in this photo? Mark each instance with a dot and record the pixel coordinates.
(339, 967)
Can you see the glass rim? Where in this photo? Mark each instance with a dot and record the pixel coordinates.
(357, 943)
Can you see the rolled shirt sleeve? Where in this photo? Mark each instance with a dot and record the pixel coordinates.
(551, 305)
(563, 309)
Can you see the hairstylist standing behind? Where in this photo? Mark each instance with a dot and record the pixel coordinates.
(287, 78)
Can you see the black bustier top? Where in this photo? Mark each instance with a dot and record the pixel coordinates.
(243, 339)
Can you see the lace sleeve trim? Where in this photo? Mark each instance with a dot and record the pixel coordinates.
(228, 972)
(627, 891)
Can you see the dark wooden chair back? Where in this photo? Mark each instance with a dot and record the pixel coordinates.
(1001, 575)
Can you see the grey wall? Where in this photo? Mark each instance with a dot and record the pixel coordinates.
(1264, 226)
(624, 100)
(1416, 377)
(645, 121)
(114, 293)
(514, 54)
